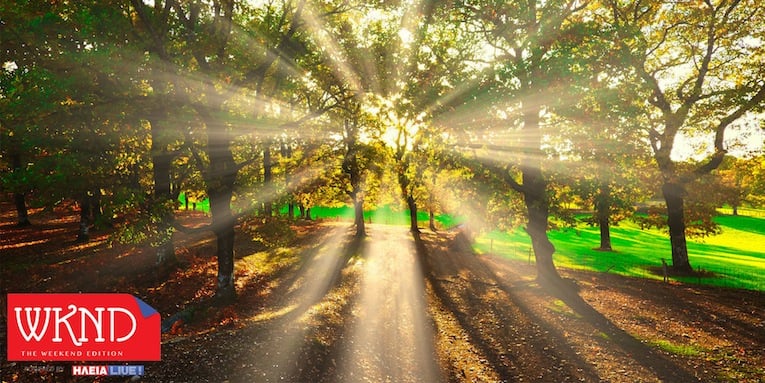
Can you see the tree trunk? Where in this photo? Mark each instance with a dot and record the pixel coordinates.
(308, 214)
(223, 227)
(286, 153)
(735, 210)
(674, 195)
(96, 210)
(358, 211)
(605, 233)
(603, 212)
(413, 227)
(353, 170)
(267, 179)
(431, 208)
(404, 182)
(224, 236)
(301, 209)
(83, 234)
(21, 210)
(535, 198)
(220, 179)
(161, 163)
(18, 197)
(538, 211)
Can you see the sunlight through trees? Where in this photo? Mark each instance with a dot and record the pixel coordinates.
(502, 113)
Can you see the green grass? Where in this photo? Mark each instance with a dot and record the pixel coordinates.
(735, 258)
(677, 349)
(203, 205)
(384, 214)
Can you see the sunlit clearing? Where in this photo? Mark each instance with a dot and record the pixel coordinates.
(392, 340)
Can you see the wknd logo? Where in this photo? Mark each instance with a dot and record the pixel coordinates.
(82, 327)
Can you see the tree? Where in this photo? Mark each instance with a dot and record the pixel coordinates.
(699, 71)
(29, 91)
(72, 92)
(528, 38)
(604, 151)
(360, 160)
(233, 86)
(152, 26)
(738, 181)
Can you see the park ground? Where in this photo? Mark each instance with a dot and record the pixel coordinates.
(391, 307)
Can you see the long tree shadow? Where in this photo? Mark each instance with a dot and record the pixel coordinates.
(746, 223)
(330, 266)
(316, 326)
(749, 302)
(567, 291)
(665, 369)
(518, 348)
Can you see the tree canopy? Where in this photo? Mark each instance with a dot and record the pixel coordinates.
(497, 111)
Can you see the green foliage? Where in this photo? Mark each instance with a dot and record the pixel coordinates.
(699, 220)
(144, 222)
(105, 93)
(741, 181)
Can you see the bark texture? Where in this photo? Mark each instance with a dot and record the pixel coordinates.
(674, 195)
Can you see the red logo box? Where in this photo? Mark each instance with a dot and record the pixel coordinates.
(82, 327)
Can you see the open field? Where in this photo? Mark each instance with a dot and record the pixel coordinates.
(735, 258)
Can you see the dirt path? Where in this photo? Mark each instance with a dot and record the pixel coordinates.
(353, 311)
(391, 339)
(393, 307)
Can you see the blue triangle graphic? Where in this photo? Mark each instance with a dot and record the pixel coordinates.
(146, 310)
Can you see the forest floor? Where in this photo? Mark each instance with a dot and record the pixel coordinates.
(391, 307)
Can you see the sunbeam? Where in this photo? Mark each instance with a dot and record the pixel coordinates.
(391, 338)
(304, 301)
(339, 61)
(481, 149)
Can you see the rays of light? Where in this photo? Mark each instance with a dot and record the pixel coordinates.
(340, 63)
(269, 193)
(391, 338)
(289, 324)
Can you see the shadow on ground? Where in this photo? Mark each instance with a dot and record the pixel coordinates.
(524, 331)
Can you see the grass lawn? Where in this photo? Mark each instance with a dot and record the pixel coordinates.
(386, 215)
(736, 258)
